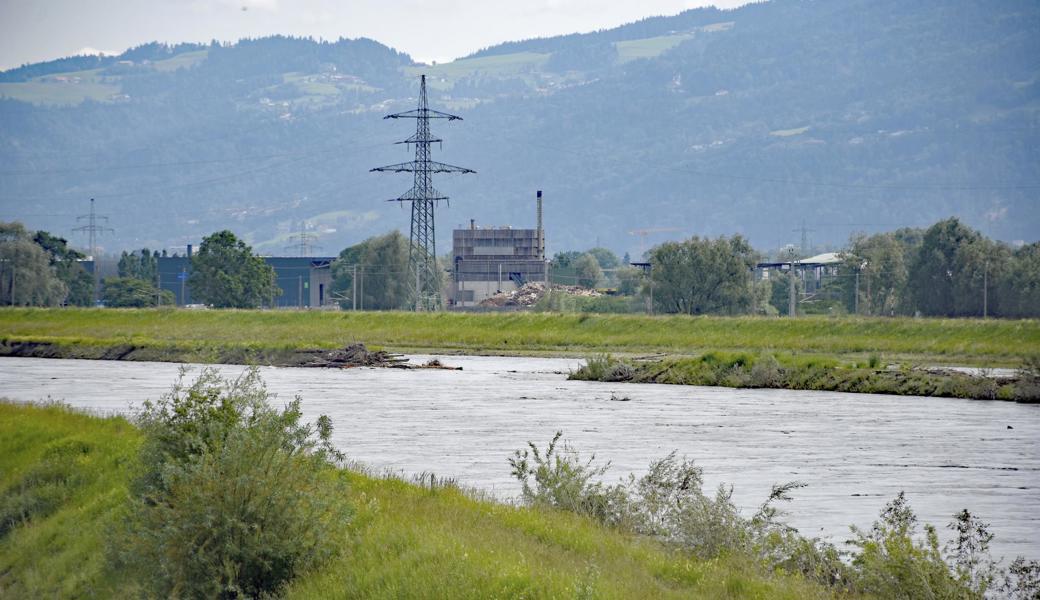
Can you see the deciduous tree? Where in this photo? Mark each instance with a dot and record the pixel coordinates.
(226, 274)
(704, 276)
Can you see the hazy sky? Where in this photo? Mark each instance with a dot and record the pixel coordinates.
(36, 30)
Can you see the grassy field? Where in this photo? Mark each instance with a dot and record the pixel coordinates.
(63, 487)
(444, 76)
(938, 341)
(51, 89)
(649, 47)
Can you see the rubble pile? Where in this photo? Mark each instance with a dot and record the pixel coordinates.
(527, 295)
(577, 290)
(530, 293)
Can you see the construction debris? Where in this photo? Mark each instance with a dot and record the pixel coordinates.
(527, 295)
(530, 293)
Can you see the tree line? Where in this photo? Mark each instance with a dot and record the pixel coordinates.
(948, 270)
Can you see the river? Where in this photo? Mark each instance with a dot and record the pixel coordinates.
(854, 451)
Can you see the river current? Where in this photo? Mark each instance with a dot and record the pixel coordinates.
(855, 451)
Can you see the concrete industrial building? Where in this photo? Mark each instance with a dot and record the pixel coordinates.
(487, 260)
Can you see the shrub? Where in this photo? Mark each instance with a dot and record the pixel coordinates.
(1022, 581)
(621, 371)
(669, 504)
(559, 479)
(891, 563)
(233, 496)
(766, 373)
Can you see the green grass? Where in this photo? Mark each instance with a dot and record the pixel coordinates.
(48, 90)
(444, 76)
(950, 341)
(63, 479)
(180, 61)
(405, 541)
(649, 47)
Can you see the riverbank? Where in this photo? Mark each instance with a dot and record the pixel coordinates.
(274, 337)
(864, 355)
(766, 370)
(63, 486)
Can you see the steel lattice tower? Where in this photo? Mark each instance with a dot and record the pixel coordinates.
(422, 252)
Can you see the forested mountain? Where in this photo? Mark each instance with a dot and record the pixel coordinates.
(852, 115)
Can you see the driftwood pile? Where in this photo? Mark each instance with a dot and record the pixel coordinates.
(357, 355)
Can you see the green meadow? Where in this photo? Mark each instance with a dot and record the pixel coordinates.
(989, 343)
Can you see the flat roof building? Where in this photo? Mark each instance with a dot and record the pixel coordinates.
(305, 281)
(488, 260)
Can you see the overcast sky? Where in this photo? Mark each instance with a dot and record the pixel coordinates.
(37, 30)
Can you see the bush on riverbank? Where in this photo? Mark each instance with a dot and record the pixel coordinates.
(404, 540)
(668, 503)
(232, 496)
(745, 370)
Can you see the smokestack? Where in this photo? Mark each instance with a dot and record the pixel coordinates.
(539, 211)
(189, 250)
(472, 224)
(541, 234)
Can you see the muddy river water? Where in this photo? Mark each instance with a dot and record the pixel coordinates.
(854, 451)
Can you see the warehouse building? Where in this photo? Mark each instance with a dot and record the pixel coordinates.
(305, 281)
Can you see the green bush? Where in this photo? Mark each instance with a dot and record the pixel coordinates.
(891, 563)
(669, 504)
(233, 497)
(559, 479)
(766, 373)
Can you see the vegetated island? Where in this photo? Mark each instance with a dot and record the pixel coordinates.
(855, 354)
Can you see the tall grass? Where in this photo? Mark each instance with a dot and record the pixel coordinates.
(969, 341)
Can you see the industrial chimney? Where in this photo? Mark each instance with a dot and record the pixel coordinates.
(541, 232)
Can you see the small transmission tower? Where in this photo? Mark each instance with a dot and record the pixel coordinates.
(93, 228)
(422, 252)
(303, 241)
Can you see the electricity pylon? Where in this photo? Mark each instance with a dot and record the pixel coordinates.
(422, 251)
(92, 228)
(303, 242)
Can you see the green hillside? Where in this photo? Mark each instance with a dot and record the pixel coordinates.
(848, 116)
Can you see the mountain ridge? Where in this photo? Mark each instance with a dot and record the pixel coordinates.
(849, 116)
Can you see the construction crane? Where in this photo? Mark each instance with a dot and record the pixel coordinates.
(642, 233)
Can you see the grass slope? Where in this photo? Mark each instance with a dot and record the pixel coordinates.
(964, 341)
(63, 478)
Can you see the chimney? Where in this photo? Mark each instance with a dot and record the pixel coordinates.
(541, 234)
(472, 224)
(189, 250)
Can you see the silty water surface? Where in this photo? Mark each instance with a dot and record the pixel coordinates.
(855, 451)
